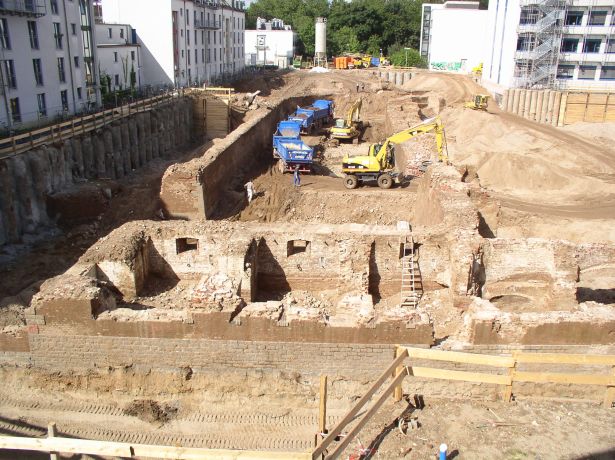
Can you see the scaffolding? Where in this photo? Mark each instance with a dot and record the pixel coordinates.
(540, 35)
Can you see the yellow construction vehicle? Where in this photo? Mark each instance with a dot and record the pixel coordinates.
(478, 102)
(478, 70)
(350, 127)
(379, 163)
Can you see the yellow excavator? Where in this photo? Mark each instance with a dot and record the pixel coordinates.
(379, 163)
(350, 127)
(478, 102)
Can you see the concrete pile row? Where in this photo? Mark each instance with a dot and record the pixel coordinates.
(29, 179)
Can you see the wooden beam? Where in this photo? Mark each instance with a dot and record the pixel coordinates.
(322, 412)
(554, 358)
(398, 393)
(457, 357)
(368, 415)
(337, 429)
(116, 449)
(552, 377)
(52, 432)
(609, 395)
(446, 374)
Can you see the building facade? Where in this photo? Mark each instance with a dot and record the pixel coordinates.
(453, 35)
(272, 43)
(48, 60)
(119, 57)
(184, 42)
(559, 44)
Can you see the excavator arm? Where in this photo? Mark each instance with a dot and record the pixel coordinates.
(354, 109)
(431, 124)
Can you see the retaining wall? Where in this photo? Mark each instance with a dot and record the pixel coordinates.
(559, 108)
(32, 184)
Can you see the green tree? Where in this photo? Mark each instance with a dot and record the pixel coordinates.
(402, 57)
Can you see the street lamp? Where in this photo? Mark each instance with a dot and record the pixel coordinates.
(406, 50)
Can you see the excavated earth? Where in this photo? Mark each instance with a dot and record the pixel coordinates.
(526, 180)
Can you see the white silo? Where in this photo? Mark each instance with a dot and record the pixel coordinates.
(320, 48)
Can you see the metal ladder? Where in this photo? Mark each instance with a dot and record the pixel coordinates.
(411, 285)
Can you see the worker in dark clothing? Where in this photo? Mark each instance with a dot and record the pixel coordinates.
(357, 87)
(296, 177)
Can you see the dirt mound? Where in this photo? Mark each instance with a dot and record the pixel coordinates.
(527, 160)
(452, 88)
(150, 411)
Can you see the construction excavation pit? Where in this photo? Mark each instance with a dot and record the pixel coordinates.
(166, 281)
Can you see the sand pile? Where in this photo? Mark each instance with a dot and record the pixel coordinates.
(526, 160)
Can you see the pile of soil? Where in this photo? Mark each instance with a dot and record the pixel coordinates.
(150, 411)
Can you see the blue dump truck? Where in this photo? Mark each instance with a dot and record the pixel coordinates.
(290, 150)
(313, 117)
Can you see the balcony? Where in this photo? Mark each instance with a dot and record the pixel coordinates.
(31, 8)
(205, 24)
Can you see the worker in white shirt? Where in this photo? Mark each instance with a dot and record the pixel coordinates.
(249, 190)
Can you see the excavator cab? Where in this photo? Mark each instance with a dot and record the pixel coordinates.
(340, 123)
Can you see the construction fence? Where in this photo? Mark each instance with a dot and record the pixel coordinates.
(560, 108)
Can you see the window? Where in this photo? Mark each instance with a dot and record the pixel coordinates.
(182, 54)
(215, 37)
(9, 74)
(122, 33)
(597, 18)
(57, 34)
(15, 112)
(610, 46)
(196, 38)
(296, 246)
(181, 32)
(587, 72)
(64, 99)
(33, 33)
(188, 38)
(524, 43)
(117, 80)
(110, 32)
(76, 61)
(42, 105)
(208, 55)
(592, 45)
(4, 34)
(203, 55)
(115, 56)
(573, 18)
(132, 55)
(570, 45)
(565, 72)
(61, 72)
(202, 37)
(54, 6)
(73, 28)
(38, 71)
(79, 93)
(186, 244)
(196, 56)
(188, 57)
(187, 16)
(608, 73)
(215, 54)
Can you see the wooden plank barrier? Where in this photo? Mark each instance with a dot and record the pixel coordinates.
(126, 450)
(21, 143)
(514, 375)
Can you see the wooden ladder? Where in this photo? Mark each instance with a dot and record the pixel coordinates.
(411, 284)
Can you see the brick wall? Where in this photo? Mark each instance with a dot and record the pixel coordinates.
(85, 352)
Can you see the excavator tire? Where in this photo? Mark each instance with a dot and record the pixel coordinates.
(350, 181)
(385, 181)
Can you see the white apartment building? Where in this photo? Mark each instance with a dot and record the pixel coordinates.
(563, 44)
(48, 53)
(453, 35)
(119, 57)
(272, 43)
(184, 42)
